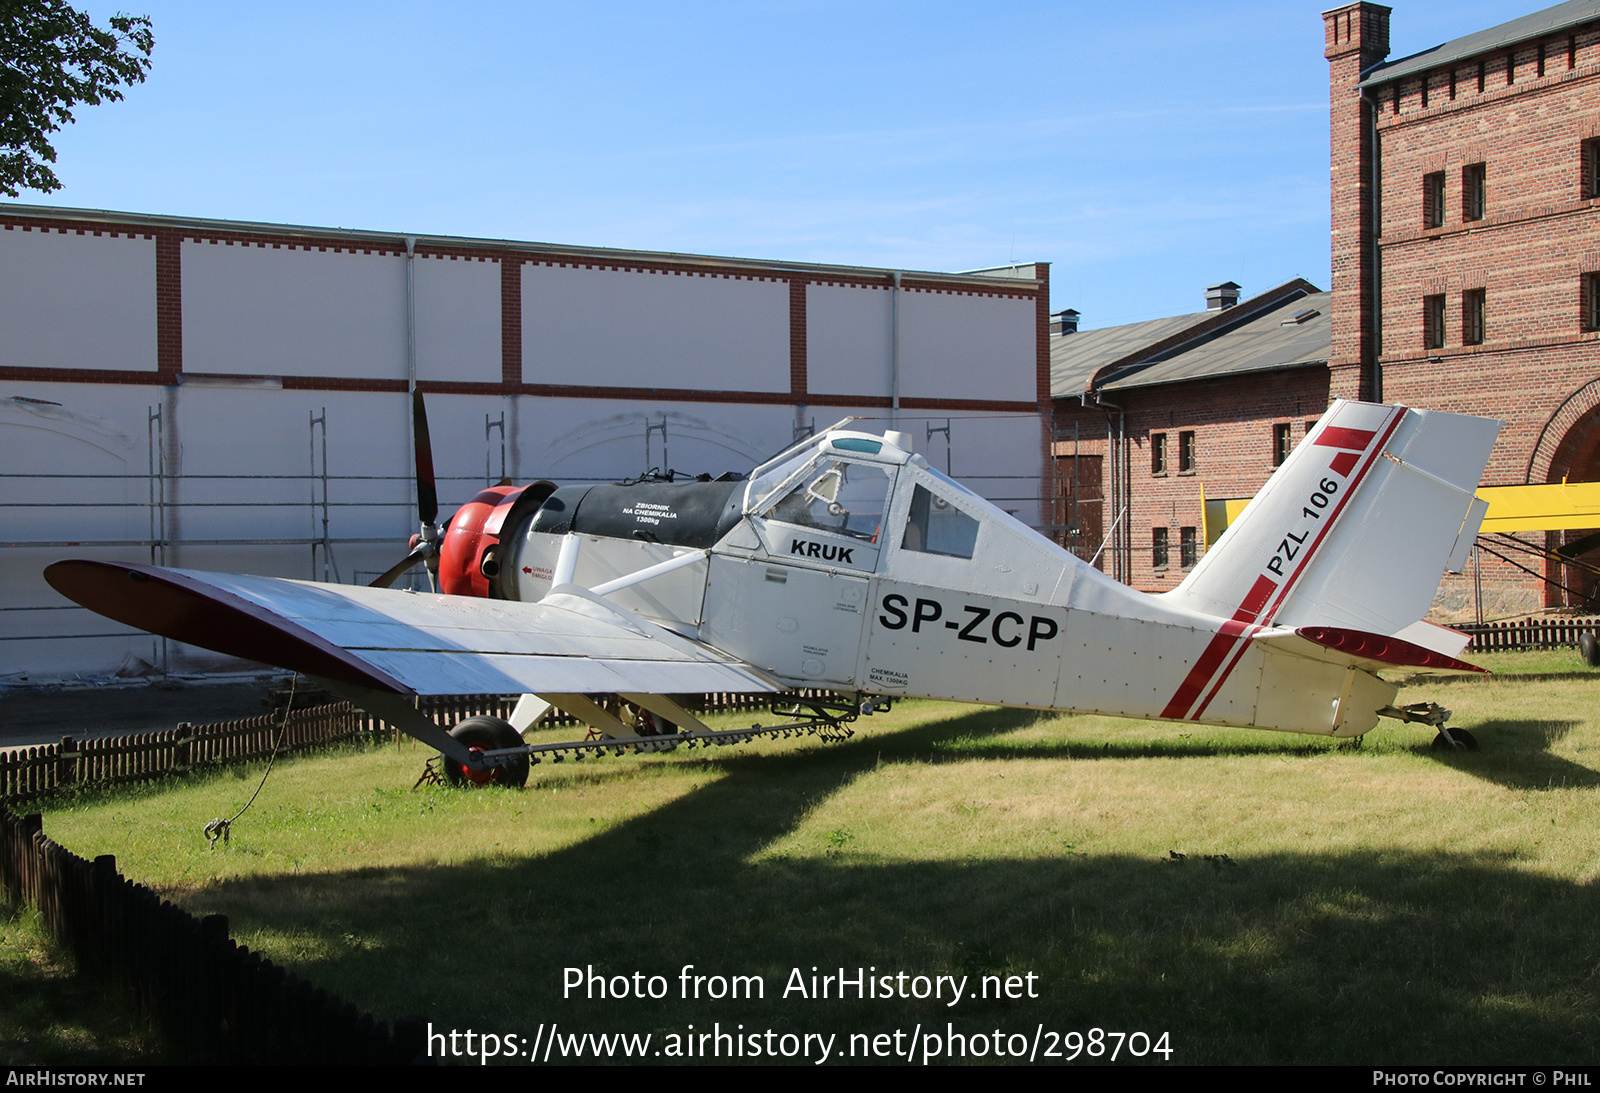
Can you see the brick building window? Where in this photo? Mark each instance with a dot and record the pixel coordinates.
(1185, 453)
(1473, 303)
(1474, 187)
(1433, 322)
(1282, 443)
(1433, 200)
(1188, 548)
(1158, 453)
(1590, 166)
(1591, 301)
(1158, 548)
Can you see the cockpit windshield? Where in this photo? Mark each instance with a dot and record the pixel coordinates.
(763, 485)
(838, 496)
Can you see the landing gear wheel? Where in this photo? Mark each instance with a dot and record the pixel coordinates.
(1456, 740)
(1590, 648)
(486, 734)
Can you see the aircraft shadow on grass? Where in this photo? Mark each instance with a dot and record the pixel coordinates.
(1312, 956)
(1516, 754)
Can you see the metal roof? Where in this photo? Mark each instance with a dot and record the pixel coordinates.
(1024, 274)
(1540, 23)
(1271, 341)
(1180, 348)
(1075, 358)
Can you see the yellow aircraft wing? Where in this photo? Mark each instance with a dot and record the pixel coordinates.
(1555, 507)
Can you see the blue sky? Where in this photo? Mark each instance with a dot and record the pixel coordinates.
(1145, 151)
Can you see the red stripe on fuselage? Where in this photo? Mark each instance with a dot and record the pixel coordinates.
(1218, 648)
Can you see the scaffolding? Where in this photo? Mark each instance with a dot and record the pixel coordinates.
(164, 499)
(332, 512)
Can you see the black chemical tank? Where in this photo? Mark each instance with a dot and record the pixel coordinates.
(689, 514)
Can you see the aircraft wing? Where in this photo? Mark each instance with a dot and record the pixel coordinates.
(572, 642)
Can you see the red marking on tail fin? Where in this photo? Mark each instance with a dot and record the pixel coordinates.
(1344, 463)
(1336, 437)
(1255, 599)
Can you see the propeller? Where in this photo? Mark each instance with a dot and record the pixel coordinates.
(425, 544)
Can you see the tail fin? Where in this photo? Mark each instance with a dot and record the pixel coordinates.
(1356, 527)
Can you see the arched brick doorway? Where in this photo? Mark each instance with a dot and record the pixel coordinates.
(1569, 450)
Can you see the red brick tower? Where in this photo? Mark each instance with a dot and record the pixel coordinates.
(1357, 37)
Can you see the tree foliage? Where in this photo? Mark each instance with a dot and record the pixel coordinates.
(52, 59)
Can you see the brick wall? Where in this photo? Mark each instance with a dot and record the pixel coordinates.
(1523, 113)
(1356, 36)
(1232, 421)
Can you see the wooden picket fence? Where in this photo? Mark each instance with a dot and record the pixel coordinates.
(30, 772)
(212, 1000)
(1529, 633)
(26, 773)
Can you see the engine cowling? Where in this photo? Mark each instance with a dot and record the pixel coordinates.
(469, 563)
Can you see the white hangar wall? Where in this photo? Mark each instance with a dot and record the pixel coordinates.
(677, 329)
(254, 310)
(78, 301)
(215, 395)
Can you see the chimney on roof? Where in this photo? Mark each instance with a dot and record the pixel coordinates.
(1064, 322)
(1221, 296)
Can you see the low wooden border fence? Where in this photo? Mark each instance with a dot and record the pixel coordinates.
(26, 773)
(1529, 633)
(30, 772)
(212, 1000)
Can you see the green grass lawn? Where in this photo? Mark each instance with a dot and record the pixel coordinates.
(1260, 897)
(50, 1016)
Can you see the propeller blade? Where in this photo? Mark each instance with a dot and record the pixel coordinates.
(392, 574)
(427, 492)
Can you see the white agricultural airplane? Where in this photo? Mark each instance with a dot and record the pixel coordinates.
(849, 564)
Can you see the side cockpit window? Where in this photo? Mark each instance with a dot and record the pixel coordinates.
(935, 526)
(842, 498)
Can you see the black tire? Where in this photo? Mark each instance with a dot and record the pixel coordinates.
(1463, 738)
(487, 734)
(1590, 648)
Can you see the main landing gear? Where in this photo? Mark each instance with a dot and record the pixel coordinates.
(487, 734)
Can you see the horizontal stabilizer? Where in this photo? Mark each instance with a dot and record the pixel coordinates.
(1376, 650)
(1441, 639)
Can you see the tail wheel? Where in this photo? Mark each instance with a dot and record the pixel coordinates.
(1455, 740)
(487, 734)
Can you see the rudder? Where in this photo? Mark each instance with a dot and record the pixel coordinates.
(1355, 528)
